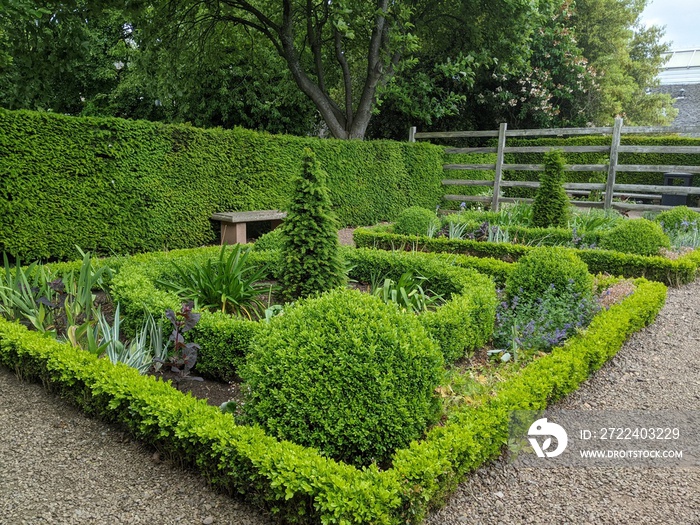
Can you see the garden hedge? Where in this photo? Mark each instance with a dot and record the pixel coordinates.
(673, 272)
(460, 326)
(116, 186)
(297, 483)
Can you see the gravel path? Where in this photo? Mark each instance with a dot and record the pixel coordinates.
(59, 467)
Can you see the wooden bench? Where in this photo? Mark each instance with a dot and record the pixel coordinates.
(233, 223)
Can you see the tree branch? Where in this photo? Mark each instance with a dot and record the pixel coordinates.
(375, 71)
(330, 112)
(347, 79)
(314, 33)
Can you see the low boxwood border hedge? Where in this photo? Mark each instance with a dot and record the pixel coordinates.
(552, 236)
(463, 324)
(296, 482)
(672, 272)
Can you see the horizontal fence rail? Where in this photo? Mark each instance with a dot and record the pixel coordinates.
(609, 190)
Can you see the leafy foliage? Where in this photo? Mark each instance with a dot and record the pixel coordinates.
(543, 323)
(638, 236)
(145, 350)
(593, 219)
(27, 295)
(311, 261)
(62, 54)
(125, 184)
(407, 293)
(269, 241)
(626, 56)
(61, 306)
(345, 373)
(183, 356)
(415, 221)
(551, 206)
(679, 218)
(229, 284)
(338, 54)
(553, 88)
(544, 268)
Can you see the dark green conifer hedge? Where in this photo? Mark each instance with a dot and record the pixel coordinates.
(116, 186)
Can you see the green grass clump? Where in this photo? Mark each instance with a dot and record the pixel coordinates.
(345, 373)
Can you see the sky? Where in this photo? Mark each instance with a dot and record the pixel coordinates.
(681, 18)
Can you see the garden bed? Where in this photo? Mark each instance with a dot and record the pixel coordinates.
(299, 483)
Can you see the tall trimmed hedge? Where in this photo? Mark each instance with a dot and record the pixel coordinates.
(115, 186)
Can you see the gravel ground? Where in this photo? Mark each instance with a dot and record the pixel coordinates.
(57, 466)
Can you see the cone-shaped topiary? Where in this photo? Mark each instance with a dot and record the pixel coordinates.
(551, 206)
(311, 261)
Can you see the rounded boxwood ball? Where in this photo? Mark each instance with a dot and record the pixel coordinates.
(545, 267)
(346, 374)
(637, 236)
(679, 218)
(415, 221)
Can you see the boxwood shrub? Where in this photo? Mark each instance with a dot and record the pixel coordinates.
(415, 221)
(638, 236)
(545, 267)
(345, 373)
(678, 218)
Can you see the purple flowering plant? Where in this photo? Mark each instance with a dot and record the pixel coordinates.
(542, 323)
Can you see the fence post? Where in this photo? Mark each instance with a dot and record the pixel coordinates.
(612, 166)
(499, 166)
(412, 134)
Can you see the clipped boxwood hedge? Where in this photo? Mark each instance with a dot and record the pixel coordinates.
(672, 272)
(345, 373)
(459, 327)
(296, 482)
(118, 186)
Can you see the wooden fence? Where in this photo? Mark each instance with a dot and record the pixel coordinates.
(610, 189)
